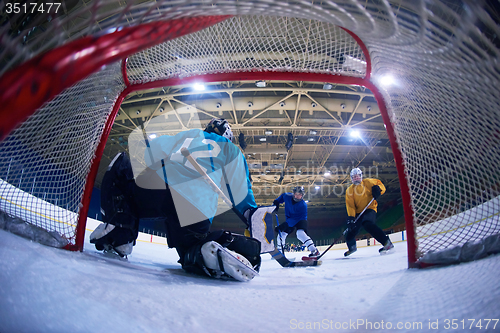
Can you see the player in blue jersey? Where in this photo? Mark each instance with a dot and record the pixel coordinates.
(296, 218)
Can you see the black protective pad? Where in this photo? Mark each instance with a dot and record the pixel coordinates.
(117, 204)
(192, 261)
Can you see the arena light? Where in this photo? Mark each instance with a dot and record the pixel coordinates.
(199, 86)
(387, 80)
(355, 134)
(152, 136)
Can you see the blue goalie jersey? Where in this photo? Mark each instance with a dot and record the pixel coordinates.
(221, 159)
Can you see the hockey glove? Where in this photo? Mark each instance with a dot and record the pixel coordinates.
(376, 192)
(350, 221)
(350, 224)
(277, 204)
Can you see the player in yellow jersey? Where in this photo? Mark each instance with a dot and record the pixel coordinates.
(357, 197)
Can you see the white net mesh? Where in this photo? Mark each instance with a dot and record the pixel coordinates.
(446, 115)
(253, 43)
(444, 109)
(47, 159)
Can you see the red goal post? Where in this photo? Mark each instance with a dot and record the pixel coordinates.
(50, 152)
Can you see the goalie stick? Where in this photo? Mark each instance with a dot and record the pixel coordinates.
(275, 254)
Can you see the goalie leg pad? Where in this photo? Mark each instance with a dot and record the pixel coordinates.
(248, 247)
(238, 246)
(222, 260)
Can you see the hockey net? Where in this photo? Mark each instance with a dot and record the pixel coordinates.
(63, 79)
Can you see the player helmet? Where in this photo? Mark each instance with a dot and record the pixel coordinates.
(298, 190)
(221, 127)
(356, 176)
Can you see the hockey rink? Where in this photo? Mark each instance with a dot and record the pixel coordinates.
(44, 289)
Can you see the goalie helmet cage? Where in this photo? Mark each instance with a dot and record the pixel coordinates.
(65, 72)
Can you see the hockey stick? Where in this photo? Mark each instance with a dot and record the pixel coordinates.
(279, 233)
(335, 240)
(276, 255)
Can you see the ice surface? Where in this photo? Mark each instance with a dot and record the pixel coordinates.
(44, 289)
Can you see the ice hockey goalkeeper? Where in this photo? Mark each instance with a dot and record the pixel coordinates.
(170, 189)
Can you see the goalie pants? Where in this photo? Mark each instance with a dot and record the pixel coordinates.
(366, 221)
(182, 238)
(157, 203)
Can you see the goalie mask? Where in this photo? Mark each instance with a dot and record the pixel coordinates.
(356, 176)
(220, 127)
(298, 193)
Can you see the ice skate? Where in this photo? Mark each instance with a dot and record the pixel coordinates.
(387, 247)
(314, 254)
(350, 251)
